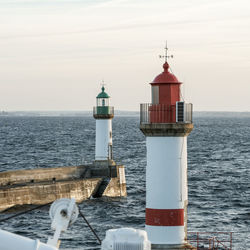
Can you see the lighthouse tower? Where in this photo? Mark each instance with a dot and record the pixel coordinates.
(103, 113)
(166, 123)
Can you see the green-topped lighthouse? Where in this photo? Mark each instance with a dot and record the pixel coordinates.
(103, 113)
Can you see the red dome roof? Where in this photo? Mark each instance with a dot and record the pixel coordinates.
(165, 76)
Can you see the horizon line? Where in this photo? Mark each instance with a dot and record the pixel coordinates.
(118, 110)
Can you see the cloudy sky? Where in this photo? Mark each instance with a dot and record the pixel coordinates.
(55, 53)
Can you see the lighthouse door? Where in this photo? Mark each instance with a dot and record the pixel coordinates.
(155, 94)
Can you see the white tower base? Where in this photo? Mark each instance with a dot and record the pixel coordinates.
(166, 189)
(103, 141)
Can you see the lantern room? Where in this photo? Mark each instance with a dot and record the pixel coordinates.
(165, 88)
(166, 105)
(102, 100)
(102, 109)
(102, 103)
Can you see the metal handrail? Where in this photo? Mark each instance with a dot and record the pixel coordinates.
(219, 243)
(163, 113)
(103, 110)
(212, 240)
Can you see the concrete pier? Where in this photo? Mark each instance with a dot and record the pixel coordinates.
(172, 247)
(44, 185)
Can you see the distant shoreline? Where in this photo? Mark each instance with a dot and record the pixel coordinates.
(117, 113)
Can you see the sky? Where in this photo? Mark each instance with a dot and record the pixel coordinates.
(54, 54)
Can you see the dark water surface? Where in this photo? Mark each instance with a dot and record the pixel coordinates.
(218, 173)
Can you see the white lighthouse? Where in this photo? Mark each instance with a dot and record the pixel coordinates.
(166, 123)
(103, 113)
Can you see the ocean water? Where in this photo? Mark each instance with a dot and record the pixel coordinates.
(218, 173)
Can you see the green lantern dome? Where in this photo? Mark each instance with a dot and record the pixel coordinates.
(102, 110)
(103, 94)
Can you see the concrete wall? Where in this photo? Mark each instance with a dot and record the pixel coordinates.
(46, 193)
(42, 174)
(42, 186)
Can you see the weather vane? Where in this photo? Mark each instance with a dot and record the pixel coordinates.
(103, 84)
(166, 56)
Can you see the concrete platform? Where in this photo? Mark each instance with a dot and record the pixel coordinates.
(44, 185)
(172, 247)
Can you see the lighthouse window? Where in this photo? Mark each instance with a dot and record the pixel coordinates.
(102, 102)
(155, 94)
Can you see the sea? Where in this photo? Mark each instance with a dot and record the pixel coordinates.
(218, 173)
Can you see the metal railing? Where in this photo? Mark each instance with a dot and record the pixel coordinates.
(103, 110)
(162, 113)
(211, 240)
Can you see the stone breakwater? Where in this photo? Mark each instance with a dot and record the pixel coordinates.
(44, 185)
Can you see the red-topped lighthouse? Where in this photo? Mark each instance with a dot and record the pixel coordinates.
(166, 123)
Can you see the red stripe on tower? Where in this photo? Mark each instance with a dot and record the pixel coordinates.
(164, 217)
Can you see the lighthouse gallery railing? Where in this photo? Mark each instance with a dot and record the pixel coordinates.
(161, 113)
(103, 110)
